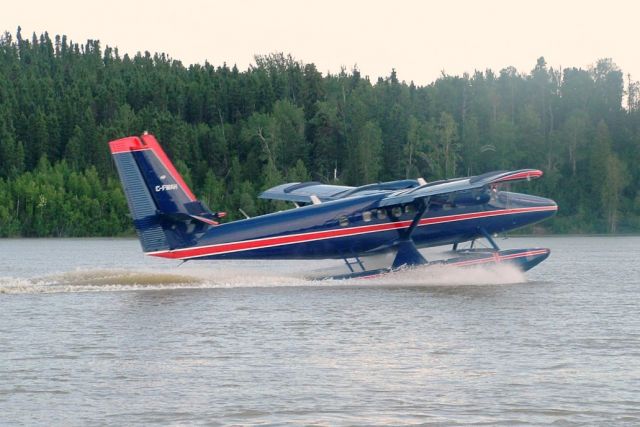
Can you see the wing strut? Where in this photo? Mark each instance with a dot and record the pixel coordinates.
(422, 208)
(407, 253)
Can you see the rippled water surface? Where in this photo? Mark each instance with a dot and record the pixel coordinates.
(92, 332)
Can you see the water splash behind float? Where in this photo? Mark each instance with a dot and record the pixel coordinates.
(101, 280)
(442, 275)
(234, 275)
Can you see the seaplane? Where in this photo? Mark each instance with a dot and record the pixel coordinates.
(395, 218)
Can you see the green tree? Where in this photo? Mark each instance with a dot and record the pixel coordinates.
(369, 152)
(616, 179)
(448, 146)
(234, 133)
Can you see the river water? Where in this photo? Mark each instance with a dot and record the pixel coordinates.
(92, 333)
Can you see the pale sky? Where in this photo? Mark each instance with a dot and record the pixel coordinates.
(417, 38)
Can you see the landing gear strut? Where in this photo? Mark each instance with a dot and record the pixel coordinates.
(486, 235)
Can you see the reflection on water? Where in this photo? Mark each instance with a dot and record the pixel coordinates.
(237, 343)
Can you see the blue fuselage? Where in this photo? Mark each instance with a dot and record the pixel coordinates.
(355, 226)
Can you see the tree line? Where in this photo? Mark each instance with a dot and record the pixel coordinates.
(233, 133)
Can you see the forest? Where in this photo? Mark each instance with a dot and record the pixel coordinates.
(234, 133)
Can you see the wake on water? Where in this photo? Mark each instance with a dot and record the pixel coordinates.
(235, 276)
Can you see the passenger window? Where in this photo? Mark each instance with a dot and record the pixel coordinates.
(382, 214)
(366, 216)
(408, 209)
(396, 212)
(343, 221)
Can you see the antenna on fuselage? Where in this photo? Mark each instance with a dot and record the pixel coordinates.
(244, 213)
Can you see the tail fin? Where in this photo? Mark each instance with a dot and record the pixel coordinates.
(165, 212)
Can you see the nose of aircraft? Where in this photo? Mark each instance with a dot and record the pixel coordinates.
(548, 206)
(539, 207)
(526, 209)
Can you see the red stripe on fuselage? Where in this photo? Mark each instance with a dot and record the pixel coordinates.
(473, 215)
(267, 242)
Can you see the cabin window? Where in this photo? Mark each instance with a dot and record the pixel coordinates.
(396, 211)
(382, 214)
(366, 216)
(409, 209)
(343, 221)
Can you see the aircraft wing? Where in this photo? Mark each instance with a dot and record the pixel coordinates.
(398, 192)
(302, 192)
(459, 186)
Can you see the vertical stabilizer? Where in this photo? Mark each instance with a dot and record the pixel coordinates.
(166, 214)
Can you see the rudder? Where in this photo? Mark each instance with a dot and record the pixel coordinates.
(166, 214)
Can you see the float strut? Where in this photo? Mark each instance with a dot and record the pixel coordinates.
(489, 238)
